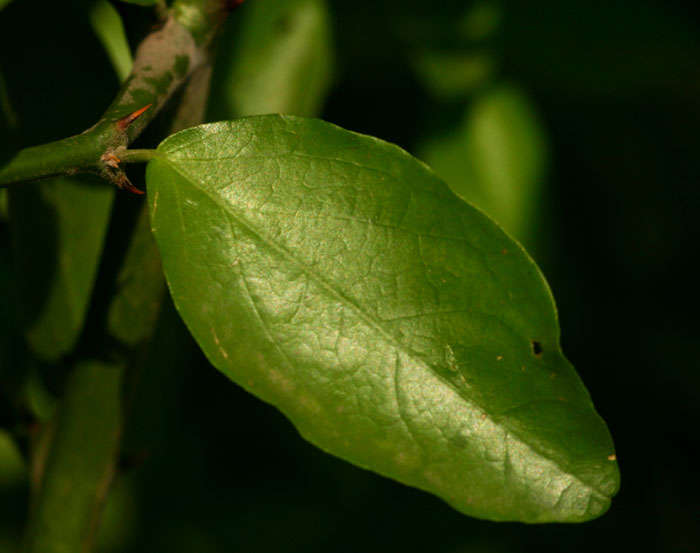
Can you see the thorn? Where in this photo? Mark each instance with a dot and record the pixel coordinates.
(125, 184)
(124, 122)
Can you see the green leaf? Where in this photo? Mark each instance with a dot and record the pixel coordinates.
(59, 227)
(107, 25)
(336, 277)
(276, 60)
(81, 460)
(457, 56)
(12, 467)
(453, 74)
(140, 287)
(496, 159)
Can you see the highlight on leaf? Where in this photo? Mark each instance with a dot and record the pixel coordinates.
(336, 277)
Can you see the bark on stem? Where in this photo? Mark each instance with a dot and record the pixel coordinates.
(163, 62)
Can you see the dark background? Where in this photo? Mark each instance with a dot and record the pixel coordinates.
(616, 86)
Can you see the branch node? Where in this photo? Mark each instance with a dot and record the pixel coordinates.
(111, 160)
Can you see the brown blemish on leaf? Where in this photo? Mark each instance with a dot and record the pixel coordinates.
(612, 457)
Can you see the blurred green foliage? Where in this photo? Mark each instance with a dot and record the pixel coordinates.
(274, 57)
(58, 228)
(612, 89)
(495, 158)
(107, 25)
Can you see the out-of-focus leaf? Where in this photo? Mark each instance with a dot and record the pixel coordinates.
(452, 68)
(59, 227)
(80, 461)
(495, 159)
(10, 373)
(482, 20)
(453, 74)
(276, 60)
(140, 286)
(153, 389)
(12, 466)
(37, 397)
(107, 25)
(4, 3)
(120, 516)
(336, 277)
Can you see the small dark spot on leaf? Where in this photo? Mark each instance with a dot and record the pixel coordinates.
(504, 251)
(536, 348)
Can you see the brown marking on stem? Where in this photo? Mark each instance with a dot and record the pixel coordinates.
(124, 122)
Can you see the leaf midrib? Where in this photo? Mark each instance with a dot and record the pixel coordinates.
(376, 325)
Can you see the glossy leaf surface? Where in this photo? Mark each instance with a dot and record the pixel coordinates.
(336, 277)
